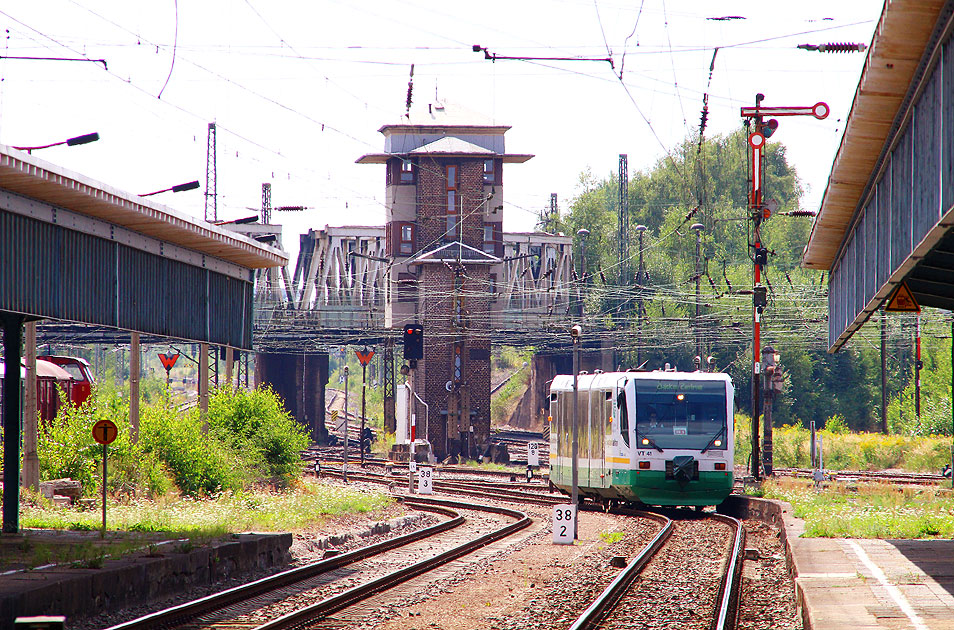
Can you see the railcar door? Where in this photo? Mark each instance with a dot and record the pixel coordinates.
(618, 453)
(605, 434)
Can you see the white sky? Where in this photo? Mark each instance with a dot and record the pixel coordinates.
(299, 89)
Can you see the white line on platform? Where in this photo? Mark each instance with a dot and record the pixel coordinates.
(893, 590)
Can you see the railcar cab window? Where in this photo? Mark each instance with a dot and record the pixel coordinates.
(682, 414)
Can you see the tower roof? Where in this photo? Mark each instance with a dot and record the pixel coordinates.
(446, 130)
(450, 145)
(443, 115)
(454, 252)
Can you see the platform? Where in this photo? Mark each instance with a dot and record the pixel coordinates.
(865, 584)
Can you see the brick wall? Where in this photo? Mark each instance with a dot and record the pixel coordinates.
(433, 373)
(436, 308)
(432, 200)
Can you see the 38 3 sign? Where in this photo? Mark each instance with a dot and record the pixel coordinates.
(425, 480)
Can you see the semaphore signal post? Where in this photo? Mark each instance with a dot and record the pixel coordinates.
(760, 209)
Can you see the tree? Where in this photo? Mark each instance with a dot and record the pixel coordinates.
(708, 183)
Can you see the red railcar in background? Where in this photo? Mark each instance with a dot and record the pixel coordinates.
(79, 369)
(49, 379)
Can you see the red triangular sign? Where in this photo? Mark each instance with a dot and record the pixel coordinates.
(902, 301)
(168, 360)
(364, 356)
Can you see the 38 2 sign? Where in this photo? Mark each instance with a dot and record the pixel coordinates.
(564, 524)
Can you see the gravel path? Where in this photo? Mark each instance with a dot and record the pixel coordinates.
(768, 591)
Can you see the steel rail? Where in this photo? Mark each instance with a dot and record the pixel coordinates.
(612, 594)
(347, 598)
(308, 459)
(728, 589)
(189, 610)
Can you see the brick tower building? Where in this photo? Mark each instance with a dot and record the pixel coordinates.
(444, 227)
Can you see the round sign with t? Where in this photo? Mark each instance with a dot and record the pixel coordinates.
(105, 432)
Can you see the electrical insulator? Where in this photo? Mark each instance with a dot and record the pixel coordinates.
(841, 47)
(834, 47)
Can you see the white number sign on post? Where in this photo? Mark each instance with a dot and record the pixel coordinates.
(533, 454)
(564, 524)
(425, 480)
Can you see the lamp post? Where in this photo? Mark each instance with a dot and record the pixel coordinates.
(698, 228)
(582, 233)
(575, 333)
(71, 142)
(344, 469)
(177, 188)
(772, 383)
(640, 277)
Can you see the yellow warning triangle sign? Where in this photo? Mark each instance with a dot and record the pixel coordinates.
(902, 301)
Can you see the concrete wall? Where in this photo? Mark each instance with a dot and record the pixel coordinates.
(134, 580)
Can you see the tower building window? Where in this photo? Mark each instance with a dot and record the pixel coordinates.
(489, 172)
(453, 202)
(407, 172)
(406, 245)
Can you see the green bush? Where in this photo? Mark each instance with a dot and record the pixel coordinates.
(66, 448)
(836, 424)
(844, 450)
(200, 462)
(249, 437)
(256, 424)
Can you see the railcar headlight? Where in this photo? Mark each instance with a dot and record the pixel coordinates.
(720, 466)
(717, 443)
(644, 465)
(645, 441)
(680, 397)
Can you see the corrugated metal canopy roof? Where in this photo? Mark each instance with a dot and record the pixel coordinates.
(896, 50)
(26, 175)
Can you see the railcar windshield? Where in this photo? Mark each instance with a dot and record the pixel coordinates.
(74, 371)
(681, 414)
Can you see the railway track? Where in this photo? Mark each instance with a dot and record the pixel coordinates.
(688, 576)
(468, 488)
(304, 594)
(881, 476)
(333, 455)
(693, 565)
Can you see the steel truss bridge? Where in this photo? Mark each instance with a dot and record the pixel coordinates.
(338, 292)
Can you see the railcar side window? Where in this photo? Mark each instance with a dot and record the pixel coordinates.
(623, 415)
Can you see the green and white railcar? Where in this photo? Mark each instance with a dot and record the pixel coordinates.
(659, 438)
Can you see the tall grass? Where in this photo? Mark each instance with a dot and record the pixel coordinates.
(844, 450)
(869, 511)
(309, 504)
